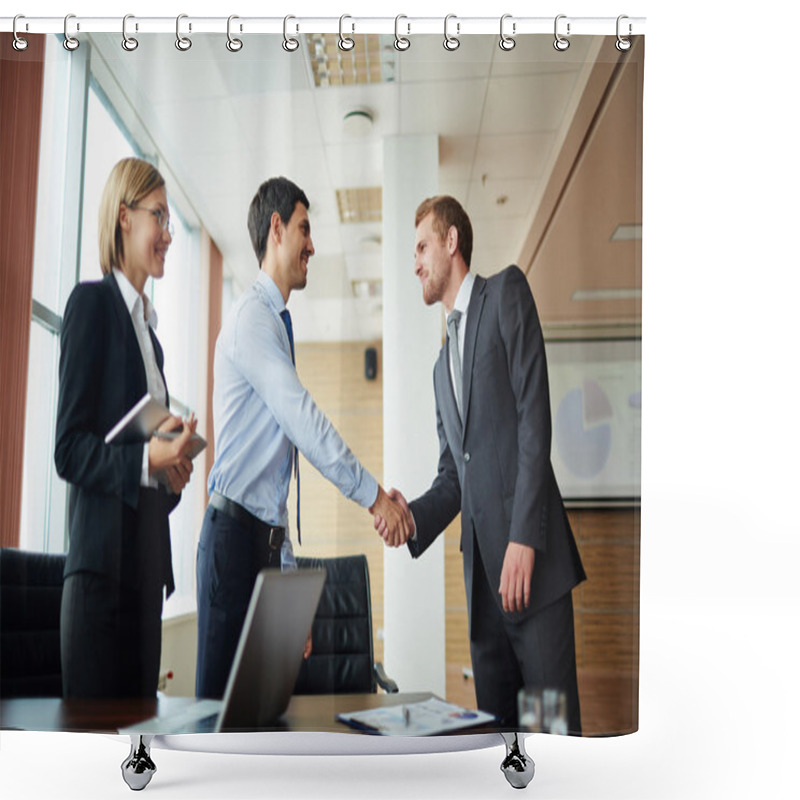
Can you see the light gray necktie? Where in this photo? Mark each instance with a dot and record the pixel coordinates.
(452, 336)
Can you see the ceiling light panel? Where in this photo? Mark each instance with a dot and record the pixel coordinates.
(363, 204)
(372, 60)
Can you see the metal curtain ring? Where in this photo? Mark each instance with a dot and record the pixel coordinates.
(233, 44)
(346, 42)
(183, 43)
(560, 43)
(19, 44)
(128, 42)
(623, 43)
(507, 42)
(290, 44)
(70, 42)
(451, 42)
(401, 43)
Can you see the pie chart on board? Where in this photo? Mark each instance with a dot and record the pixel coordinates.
(583, 430)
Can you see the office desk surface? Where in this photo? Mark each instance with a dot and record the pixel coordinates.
(305, 712)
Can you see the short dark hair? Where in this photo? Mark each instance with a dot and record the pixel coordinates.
(276, 194)
(448, 211)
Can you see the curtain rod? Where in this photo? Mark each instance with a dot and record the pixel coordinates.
(451, 26)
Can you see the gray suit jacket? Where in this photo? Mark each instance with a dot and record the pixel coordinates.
(495, 467)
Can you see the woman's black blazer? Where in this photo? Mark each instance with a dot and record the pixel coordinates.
(101, 376)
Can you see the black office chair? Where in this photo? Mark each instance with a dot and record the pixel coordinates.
(342, 660)
(31, 585)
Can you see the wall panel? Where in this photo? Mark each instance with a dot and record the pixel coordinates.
(21, 81)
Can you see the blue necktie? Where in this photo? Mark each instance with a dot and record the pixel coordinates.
(287, 321)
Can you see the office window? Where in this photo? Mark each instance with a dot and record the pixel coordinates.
(62, 211)
(175, 298)
(43, 513)
(107, 142)
(43, 494)
(177, 302)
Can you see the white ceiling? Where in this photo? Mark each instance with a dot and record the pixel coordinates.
(222, 123)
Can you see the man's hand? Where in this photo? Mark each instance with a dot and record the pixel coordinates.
(308, 647)
(392, 518)
(515, 579)
(382, 526)
(169, 455)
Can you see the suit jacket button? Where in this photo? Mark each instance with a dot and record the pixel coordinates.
(466, 456)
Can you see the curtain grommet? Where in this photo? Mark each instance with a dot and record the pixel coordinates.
(182, 43)
(507, 42)
(289, 44)
(19, 44)
(451, 43)
(561, 43)
(401, 43)
(346, 43)
(129, 43)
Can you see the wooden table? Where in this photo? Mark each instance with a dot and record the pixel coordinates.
(305, 712)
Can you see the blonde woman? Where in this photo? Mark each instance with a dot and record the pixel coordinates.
(118, 558)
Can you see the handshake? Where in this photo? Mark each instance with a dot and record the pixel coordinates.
(393, 519)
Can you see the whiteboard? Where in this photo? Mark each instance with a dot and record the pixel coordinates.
(596, 413)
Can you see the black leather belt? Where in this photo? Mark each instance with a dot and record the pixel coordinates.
(252, 523)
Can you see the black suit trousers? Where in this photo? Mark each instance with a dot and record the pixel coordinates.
(536, 653)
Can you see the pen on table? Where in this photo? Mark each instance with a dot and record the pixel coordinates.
(406, 715)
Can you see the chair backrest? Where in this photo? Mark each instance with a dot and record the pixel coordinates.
(342, 658)
(31, 585)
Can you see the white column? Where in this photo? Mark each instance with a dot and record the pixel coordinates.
(414, 635)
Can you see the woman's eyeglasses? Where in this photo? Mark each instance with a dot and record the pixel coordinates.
(162, 218)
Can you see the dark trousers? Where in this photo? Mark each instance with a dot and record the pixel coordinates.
(536, 653)
(111, 623)
(229, 557)
(110, 637)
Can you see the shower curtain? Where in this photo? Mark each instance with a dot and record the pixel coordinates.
(540, 143)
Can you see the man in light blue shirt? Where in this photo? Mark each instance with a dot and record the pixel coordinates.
(263, 416)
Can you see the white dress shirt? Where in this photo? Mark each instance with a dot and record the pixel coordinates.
(144, 316)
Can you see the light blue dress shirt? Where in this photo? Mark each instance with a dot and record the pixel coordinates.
(261, 409)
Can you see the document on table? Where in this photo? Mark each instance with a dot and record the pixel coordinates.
(424, 718)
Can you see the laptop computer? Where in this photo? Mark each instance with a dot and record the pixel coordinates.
(266, 664)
